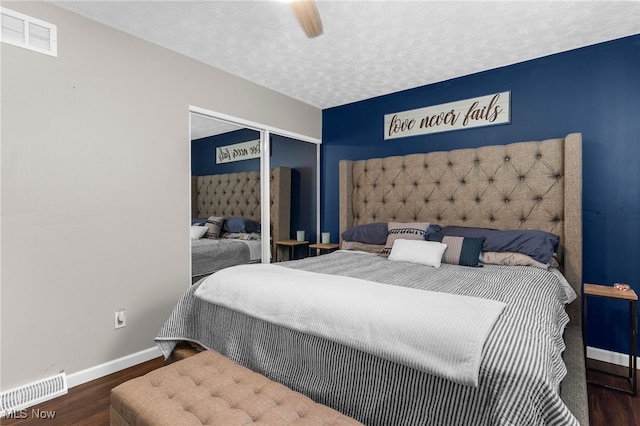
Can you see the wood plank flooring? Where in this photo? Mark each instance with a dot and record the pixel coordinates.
(607, 407)
(88, 404)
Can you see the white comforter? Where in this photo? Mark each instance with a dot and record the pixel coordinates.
(439, 333)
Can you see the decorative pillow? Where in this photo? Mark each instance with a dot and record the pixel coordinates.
(540, 245)
(198, 221)
(252, 227)
(240, 225)
(233, 224)
(418, 251)
(214, 226)
(198, 232)
(355, 245)
(407, 231)
(370, 233)
(241, 235)
(460, 250)
(514, 259)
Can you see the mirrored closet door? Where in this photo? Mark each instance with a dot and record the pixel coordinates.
(228, 160)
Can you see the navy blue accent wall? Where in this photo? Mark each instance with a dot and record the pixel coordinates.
(593, 90)
(285, 152)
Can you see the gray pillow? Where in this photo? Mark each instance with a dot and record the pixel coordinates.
(370, 233)
(540, 245)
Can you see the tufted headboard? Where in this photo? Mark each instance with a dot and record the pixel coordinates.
(524, 185)
(238, 195)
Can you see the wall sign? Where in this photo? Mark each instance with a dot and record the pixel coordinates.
(238, 151)
(477, 112)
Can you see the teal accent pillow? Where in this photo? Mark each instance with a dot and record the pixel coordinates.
(460, 250)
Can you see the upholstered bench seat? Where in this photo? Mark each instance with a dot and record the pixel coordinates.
(209, 389)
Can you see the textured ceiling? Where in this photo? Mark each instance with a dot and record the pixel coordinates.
(206, 126)
(369, 48)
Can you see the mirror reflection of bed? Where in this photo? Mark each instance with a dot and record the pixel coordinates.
(227, 206)
(226, 188)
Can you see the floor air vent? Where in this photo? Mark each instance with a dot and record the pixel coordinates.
(31, 33)
(17, 399)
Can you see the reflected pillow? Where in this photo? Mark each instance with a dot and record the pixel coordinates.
(427, 253)
(241, 235)
(460, 250)
(214, 226)
(198, 231)
(240, 225)
(369, 233)
(251, 226)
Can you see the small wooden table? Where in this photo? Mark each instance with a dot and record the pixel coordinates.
(292, 244)
(630, 296)
(328, 247)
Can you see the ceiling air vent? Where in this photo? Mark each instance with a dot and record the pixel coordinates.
(30, 33)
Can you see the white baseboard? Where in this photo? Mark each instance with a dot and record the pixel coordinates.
(110, 367)
(610, 357)
(116, 365)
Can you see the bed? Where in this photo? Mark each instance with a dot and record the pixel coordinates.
(237, 195)
(531, 364)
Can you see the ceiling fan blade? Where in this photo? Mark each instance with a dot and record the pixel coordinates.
(307, 14)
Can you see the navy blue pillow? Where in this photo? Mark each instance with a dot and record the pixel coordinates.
(433, 228)
(539, 245)
(198, 221)
(241, 225)
(463, 251)
(370, 233)
(233, 224)
(252, 226)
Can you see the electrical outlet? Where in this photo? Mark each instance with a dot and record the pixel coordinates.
(119, 318)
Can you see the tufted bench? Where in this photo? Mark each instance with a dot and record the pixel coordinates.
(209, 389)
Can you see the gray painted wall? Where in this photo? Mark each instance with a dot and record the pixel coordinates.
(95, 189)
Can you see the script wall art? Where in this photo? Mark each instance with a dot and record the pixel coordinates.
(238, 151)
(476, 112)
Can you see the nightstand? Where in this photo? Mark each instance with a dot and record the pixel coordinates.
(292, 244)
(324, 248)
(594, 290)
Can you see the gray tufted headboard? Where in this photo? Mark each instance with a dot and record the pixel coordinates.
(524, 185)
(238, 195)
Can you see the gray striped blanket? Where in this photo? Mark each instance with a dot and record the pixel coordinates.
(520, 371)
(211, 255)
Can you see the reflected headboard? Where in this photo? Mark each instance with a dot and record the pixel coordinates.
(238, 195)
(523, 185)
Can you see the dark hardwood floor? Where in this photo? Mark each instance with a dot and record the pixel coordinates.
(608, 407)
(88, 404)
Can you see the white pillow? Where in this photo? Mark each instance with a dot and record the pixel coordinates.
(417, 251)
(197, 232)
